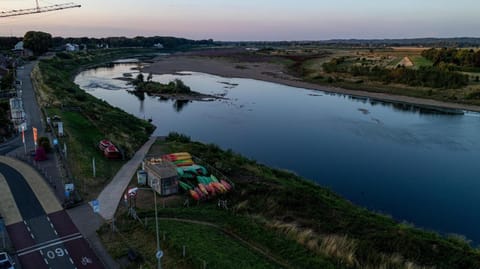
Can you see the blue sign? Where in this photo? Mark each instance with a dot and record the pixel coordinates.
(96, 206)
(159, 254)
(55, 142)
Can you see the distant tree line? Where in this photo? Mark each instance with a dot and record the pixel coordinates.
(426, 76)
(452, 56)
(372, 43)
(7, 43)
(139, 41)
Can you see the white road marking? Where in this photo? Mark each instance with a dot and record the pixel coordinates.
(43, 246)
(71, 260)
(45, 260)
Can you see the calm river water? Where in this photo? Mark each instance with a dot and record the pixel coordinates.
(415, 165)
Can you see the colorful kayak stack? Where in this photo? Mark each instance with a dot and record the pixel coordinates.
(195, 179)
(179, 159)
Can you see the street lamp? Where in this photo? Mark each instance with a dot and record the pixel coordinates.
(159, 253)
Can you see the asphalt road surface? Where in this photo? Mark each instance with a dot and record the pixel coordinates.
(44, 240)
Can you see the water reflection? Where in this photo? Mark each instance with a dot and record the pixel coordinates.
(179, 105)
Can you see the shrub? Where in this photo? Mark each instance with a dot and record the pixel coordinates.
(176, 137)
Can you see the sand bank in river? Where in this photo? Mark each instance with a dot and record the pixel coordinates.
(275, 73)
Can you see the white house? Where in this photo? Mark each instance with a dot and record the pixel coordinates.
(21, 51)
(158, 46)
(18, 46)
(72, 47)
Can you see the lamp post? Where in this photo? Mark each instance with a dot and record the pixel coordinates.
(155, 185)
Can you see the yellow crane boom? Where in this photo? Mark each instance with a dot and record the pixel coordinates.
(37, 9)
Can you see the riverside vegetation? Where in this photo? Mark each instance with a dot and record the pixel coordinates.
(297, 223)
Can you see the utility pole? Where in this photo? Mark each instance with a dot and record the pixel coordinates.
(159, 263)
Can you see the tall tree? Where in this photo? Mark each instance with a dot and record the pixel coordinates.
(38, 42)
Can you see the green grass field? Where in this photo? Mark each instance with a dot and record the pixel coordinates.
(209, 244)
(419, 61)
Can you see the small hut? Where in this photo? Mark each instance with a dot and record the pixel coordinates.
(161, 176)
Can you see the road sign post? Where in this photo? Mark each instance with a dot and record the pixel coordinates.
(159, 256)
(95, 205)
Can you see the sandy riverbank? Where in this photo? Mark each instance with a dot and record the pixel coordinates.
(275, 73)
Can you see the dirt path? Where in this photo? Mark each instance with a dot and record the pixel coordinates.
(253, 247)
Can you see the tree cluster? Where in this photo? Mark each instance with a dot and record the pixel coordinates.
(6, 82)
(38, 42)
(176, 86)
(453, 56)
(432, 77)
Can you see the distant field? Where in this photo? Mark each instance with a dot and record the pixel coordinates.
(419, 61)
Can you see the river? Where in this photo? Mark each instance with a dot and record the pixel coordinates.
(414, 164)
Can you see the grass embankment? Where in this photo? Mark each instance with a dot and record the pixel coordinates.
(302, 224)
(86, 119)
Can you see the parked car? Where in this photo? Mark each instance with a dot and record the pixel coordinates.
(6, 261)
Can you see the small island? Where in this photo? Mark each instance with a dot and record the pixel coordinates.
(176, 89)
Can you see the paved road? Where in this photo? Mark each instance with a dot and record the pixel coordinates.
(41, 239)
(30, 105)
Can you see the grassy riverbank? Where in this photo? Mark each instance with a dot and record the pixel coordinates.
(408, 73)
(298, 223)
(86, 119)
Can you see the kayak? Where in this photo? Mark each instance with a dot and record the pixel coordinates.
(184, 185)
(202, 188)
(214, 179)
(226, 185)
(194, 195)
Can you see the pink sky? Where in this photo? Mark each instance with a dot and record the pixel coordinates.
(251, 20)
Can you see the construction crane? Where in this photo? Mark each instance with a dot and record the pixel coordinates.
(37, 9)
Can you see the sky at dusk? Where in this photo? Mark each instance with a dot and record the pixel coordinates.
(251, 19)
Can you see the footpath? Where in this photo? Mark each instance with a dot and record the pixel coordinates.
(112, 194)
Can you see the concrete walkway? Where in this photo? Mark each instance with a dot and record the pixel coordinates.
(111, 195)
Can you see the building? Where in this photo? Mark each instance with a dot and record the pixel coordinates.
(18, 46)
(161, 176)
(72, 47)
(158, 46)
(16, 112)
(21, 51)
